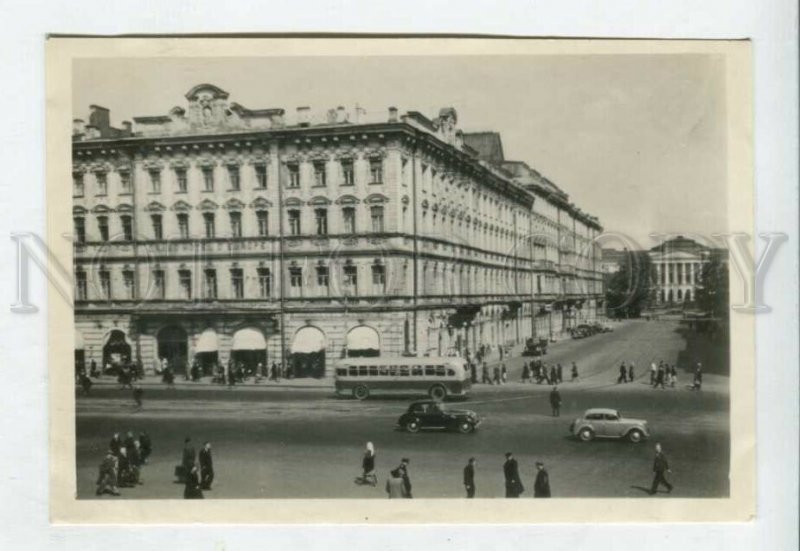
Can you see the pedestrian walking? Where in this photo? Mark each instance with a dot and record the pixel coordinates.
(630, 372)
(137, 396)
(368, 475)
(86, 384)
(403, 469)
(553, 375)
(116, 444)
(107, 475)
(503, 374)
(145, 445)
(473, 372)
(188, 458)
(124, 477)
(93, 372)
(653, 373)
(206, 467)
(660, 374)
(574, 372)
(514, 487)
(559, 374)
(469, 477)
(394, 485)
(135, 463)
(526, 373)
(541, 488)
(496, 378)
(623, 374)
(660, 466)
(485, 374)
(192, 488)
(555, 402)
(698, 377)
(673, 377)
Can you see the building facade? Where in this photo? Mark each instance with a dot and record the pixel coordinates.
(678, 265)
(218, 233)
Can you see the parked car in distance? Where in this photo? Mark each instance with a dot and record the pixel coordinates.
(430, 414)
(608, 423)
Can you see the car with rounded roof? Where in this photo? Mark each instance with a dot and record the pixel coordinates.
(433, 414)
(608, 423)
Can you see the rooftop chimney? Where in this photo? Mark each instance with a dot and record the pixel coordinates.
(393, 114)
(341, 115)
(127, 128)
(99, 117)
(304, 116)
(78, 126)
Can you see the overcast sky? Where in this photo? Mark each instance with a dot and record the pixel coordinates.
(637, 140)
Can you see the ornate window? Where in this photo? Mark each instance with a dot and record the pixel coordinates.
(378, 275)
(159, 284)
(102, 226)
(237, 282)
(376, 171)
(350, 272)
(295, 276)
(78, 187)
(233, 177)
(125, 182)
(348, 173)
(321, 218)
(105, 283)
(208, 221)
(127, 227)
(236, 224)
(81, 287)
(129, 284)
(264, 282)
(261, 176)
(294, 221)
(101, 179)
(349, 219)
(209, 283)
(294, 175)
(182, 180)
(185, 282)
(323, 276)
(262, 217)
(320, 179)
(158, 226)
(208, 178)
(183, 225)
(155, 180)
(80, 229)
(376, 215)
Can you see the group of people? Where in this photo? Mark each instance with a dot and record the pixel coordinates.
(398, 485)
(539, 372)
(121, 467)
(196, 471)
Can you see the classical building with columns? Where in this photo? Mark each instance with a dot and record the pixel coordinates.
(678, 266)
(218, 233)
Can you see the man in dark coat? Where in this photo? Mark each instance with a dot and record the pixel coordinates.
(145, 446)
(403, 468)
(630, 372)
(623, 374)
(188, 458)
(192, 489)
(559, 373)
(660, 466)
(469, 477)
(555, 402)
(514, 485)
(206, 467)
(541, 488)
(107, 477)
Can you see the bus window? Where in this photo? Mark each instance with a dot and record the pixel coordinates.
(451, 372)
(383, 370)
(362, 370)
(429, 370)
(403, 371)
(440, 371)
(416, 371)
(393, 370)
(373, 370)
(341, 372)
(353, 371)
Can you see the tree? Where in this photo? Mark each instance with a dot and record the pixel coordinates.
(631, 289)
(712, 291)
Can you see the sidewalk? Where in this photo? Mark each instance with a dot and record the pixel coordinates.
(205, 382)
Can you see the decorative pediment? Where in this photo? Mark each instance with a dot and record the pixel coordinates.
(181, 206)
(78, 211)
(207, 204)
(345, 155)
(155, 206)
(319, 200)
(293, 202)
(179, 164)
(206, 162)
(260, 203)
(347, 200)
(376, 198)
(375, 153)
(102, 209)
(124, 208)
(234, 204)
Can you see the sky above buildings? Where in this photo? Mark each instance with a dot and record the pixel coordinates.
(637, 140)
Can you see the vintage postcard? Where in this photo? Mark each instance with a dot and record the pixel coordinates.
(465, 275)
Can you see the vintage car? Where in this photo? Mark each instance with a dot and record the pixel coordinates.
(430, 414)
(608, 423)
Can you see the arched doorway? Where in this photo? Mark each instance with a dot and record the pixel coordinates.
(116, 350)
(249, 348)
(363, 341)
(207, 351)
(173, 345)
(307, 357)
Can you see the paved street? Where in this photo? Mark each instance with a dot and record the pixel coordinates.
(273, 442)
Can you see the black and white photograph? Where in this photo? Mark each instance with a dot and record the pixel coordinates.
(440, 276)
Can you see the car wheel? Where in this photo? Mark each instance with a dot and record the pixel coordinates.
(635, 435)
(586, 434)
(361, 392)
(412, 426)
(465, 427)
(437, 392)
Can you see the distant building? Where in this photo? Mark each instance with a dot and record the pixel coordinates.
(678, 266)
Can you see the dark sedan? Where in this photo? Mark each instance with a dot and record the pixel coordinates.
(430, 414)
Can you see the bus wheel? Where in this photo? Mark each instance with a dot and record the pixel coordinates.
(437, 392)
(361, 392)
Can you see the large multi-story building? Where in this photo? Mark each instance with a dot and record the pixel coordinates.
(218, 233)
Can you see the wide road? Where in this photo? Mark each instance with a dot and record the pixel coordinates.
(281, 443)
